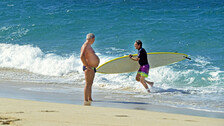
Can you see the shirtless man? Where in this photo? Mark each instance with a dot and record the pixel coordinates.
(90, 61)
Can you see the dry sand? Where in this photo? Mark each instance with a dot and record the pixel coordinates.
(32, 113)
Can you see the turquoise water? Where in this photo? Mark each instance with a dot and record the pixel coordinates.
(41, 40)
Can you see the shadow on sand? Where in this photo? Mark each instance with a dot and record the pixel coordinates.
(161, 90)
(122, 102)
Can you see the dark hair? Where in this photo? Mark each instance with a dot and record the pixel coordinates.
(139, 42)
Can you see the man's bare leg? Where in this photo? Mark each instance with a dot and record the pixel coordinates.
(89, 77)
(142, 80)
(150, 83)
(138, 77)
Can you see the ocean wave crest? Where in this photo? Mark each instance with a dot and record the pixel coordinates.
(34, 60)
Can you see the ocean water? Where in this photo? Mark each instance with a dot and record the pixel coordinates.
(40, 42)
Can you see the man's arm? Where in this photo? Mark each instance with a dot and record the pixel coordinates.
(82, 56)
(135, 59)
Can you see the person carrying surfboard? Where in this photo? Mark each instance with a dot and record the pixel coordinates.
(144, 65)
(90, 61)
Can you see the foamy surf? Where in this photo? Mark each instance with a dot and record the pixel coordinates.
(31, 58)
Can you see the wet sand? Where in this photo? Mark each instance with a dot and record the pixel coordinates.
(57, 93)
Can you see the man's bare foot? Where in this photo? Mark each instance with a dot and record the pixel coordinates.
(148, 90)
(87, 103)
(151, 84)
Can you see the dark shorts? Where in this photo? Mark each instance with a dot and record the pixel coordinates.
(84, 68)
(144, 70)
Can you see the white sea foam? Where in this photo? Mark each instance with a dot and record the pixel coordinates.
(4, 28)
(34, 60)
(13, 32)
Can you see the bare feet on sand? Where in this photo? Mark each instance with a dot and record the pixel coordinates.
(149, 83)
(87, 103)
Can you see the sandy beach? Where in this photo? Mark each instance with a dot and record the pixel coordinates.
(32, 113)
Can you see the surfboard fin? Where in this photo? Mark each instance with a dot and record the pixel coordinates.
(187, 57)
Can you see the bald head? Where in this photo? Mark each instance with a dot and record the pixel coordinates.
(90, 36)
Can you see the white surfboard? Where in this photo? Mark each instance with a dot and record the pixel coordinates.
(125, 65)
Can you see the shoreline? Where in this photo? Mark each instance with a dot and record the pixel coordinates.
(25, 113)
(14, 90)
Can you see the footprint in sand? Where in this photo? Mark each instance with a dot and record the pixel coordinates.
(48, 111)
(190, 120)
(121, 115)
(7, 121)
(15, 112)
